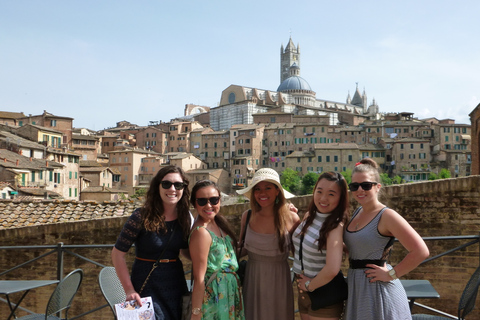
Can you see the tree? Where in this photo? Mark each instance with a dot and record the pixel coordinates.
(385, 179)
(139, 193)
(444, 174)
(432, 176)
(291, 181)
(347, 174)
(397, 180)
(308, 182)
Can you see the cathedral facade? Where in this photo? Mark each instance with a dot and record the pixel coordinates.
(294, 95)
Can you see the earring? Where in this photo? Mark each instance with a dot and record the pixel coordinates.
(276, 200)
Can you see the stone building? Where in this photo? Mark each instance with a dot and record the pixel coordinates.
(53, 122)
(475, 135)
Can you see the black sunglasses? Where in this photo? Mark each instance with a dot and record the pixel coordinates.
(168, 184)
(203, 201)
(365, 185)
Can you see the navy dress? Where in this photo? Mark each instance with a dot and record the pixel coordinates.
(167, 282)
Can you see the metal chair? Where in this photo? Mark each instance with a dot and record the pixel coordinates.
(467, 301)
(111, 287)
(61, 298)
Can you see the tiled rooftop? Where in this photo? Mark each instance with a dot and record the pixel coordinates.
(17, 214)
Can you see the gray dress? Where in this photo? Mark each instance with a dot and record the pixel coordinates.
(372, 300)
(267, 288)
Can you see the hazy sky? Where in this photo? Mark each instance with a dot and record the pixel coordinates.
(102, 61)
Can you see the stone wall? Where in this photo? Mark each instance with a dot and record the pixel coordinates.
(438, 208)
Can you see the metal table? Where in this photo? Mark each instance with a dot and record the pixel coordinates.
(419, 289)
(8, 287)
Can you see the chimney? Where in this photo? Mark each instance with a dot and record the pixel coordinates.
(18, 162)
(46, 163)
(30, 159)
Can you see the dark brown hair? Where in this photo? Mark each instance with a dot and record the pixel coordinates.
(220, 220)
(152, 210)
(338, 215)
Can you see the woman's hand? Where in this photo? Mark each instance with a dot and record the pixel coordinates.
(292, 207)
(377, 273)
(134, 296)
(301, 279)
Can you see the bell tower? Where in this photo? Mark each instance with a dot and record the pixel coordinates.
(289, 56)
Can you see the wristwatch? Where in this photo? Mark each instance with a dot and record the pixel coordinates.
(196, 311)
(393, 274)
(307, 283)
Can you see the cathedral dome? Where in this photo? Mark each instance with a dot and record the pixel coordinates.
(294, 83)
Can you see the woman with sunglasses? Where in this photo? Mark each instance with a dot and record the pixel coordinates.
(159, 228)
(374, 291)
(216, 290)
(318, 244)
(267, 287)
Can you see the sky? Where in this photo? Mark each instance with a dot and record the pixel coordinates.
(101, 62)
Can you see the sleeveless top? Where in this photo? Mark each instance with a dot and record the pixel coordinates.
(313, 259)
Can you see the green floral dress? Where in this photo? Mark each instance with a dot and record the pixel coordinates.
(222, 299)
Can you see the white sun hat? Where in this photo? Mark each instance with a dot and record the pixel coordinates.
(268, 175)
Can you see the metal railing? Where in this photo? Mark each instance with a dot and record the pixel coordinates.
(61, 249)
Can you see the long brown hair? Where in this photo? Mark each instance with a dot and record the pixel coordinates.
(153, 210)
(220, 220)
(337, 216)
(280, 217)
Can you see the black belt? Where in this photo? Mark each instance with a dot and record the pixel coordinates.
(362, 264)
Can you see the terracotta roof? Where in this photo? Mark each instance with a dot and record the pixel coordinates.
(17, 140)
(89, 163)
(8, 159)
(93, 169)
(11, 115)
(17, 214)
(40, 192)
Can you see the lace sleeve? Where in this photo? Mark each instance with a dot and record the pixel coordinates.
(130, 231)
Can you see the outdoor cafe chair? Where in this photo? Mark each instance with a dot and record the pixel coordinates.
(61, 298)
(111, 287)
(467, 301)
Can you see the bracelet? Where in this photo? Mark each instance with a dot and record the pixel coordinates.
(196, 311)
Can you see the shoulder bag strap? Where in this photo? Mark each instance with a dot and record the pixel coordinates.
(159, 257)
(300, 251)
(244, 233)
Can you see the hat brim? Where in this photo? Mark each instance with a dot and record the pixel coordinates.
(248, 190)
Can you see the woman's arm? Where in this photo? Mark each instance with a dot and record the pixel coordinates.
(333, 264)
(118, 259)
(393, 224)
(200, 242)
(292, 226)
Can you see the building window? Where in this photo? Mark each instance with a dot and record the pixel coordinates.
(53, 123)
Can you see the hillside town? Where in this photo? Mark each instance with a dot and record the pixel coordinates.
(44, 156)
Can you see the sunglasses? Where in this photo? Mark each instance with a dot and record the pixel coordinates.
(203, 201)
(168, 184)
(365, 185)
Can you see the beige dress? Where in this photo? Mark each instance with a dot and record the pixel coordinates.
(267, 290)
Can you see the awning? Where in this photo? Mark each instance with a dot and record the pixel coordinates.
(466, 137)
